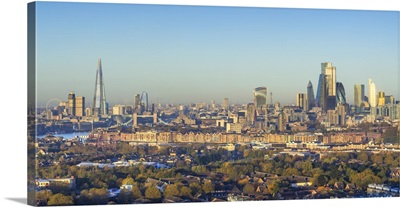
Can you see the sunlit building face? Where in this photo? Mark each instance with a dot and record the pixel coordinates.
(260, 96)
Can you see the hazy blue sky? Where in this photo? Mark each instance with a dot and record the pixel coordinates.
(189, 54)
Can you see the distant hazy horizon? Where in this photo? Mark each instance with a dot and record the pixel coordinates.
(191, 54)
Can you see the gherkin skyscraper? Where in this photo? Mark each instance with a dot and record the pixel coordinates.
(99, 100)
(340, 93)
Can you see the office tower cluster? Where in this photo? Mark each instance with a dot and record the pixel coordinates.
(362, 102)
(328, 94)
(375, 104)
(76, 105)
(142, 112)
(301, 101)
(255, 113)
(330, 97)
(359, 95)
(73, 107)
(141, 104)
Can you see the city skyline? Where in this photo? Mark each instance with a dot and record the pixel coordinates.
(213, 58)
(189, 58)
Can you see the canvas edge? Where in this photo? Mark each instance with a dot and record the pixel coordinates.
(31, 104)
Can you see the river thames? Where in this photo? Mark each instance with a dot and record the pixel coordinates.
(67, 135)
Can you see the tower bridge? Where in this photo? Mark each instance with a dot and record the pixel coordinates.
(129, 119)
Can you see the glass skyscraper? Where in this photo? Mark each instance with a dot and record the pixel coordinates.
(321, 92)
(340, 93)
(310, 96)
(144, 102)
(359, 91)
(260, 98)
(326, 92)
(99, 100)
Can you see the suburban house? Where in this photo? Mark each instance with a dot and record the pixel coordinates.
(297, 181)
(160, 185)
(71, 182)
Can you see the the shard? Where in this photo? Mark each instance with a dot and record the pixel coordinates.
(99, 100)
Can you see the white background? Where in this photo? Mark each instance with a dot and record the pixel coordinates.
(13, 80)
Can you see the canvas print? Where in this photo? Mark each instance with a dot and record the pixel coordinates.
(134, 104)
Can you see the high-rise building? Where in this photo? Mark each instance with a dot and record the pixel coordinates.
(88, 112)
(136, 101)
(251, 114)
(359, 94)
(322, 92)
(225, 103)
(213, 106)
(144, 102)
(326, 93)
(301, 101)
(80, 106)
(341, 111)
(331, 102)
(371, 93)
(310, 96)
(71, 104)
(333, 117)
(389, 100)
(281, 122)
(99, 100)
(340, 93)
(119, 110)
(381, 98)
(260, 97)
(330, 73)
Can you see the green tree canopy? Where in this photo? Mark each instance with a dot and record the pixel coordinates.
(291, 171)
(320, 180)
(208, 186)
(186, 192)
(136, 193)
(362, 179)
(59, 187)
(152, 193)
(363, 156)
(171, 190)
(60, 200)
(43, 196)
(248, 188)
(94, 196)
(195, 187)
(125, 197)
(128, 181)
(274, 187)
